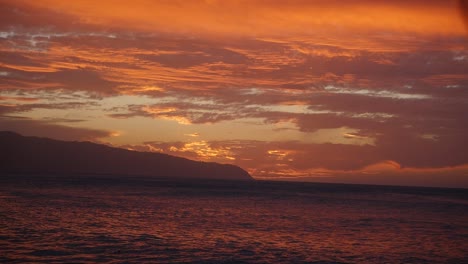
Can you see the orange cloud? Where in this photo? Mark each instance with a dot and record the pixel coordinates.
(293, 161)
(377, 86)
(267, 18)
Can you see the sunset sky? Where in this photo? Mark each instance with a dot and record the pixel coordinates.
(333, 91)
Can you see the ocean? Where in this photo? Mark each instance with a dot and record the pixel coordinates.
(105, 219)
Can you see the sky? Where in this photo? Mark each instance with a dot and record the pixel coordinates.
(329, 91)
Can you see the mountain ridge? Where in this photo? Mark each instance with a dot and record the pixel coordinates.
(21, 154)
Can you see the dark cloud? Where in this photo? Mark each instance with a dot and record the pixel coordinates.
(197, 113)
(463, 5)
(69, 79)
(29, 127)
(82, 80)
(186, 60)
(445, 149)
(274, 156)
(447, 177)
(20, 17)
(5, 109)
(20, 59)
(272, 159)
(20, 108)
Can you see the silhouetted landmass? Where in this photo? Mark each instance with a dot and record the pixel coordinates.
(19, 154)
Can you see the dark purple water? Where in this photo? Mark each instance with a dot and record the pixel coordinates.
(82, 220)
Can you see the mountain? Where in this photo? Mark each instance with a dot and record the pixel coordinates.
(19, 154)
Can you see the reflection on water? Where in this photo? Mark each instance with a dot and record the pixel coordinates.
(50, 219)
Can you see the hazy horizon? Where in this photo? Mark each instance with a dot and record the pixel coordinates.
(68, 153)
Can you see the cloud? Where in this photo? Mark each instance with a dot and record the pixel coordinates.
(261, 155)
(388, 173)
(197, 56)
(391, 75)
(28, 127)
(268, 159)
(252, 17)
(81, 80)
(25, 104)
(316, 162)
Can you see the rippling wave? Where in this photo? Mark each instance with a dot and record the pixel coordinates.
(136, 220)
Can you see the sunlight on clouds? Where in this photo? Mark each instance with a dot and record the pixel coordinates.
(375, 93)
(292, 108)
(115, 134)
(433, 137)
(251, 91)
(204, 150)
(158, 110)
(142, 89)
(322, 51)
(284, 88)
(36, 69)
(387, 165)
(166, 113)
(374, 115)
(179, 119)
(94, 112)
(39, 40)
(281, 154)
(151, 148)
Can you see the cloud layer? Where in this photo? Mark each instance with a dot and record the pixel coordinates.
(283, 89)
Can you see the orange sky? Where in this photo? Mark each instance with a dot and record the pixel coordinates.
(265, 18)
(338, 91)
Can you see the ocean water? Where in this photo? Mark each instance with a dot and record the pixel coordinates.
(85, 219)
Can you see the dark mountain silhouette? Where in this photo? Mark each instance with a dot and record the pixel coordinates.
(19, 154)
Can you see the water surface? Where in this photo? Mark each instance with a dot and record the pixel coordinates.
(82, 219)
